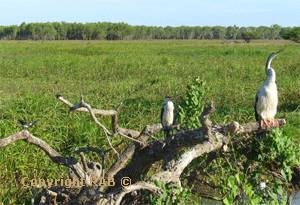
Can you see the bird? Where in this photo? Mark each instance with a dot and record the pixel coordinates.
(167, 115)
(26, 125)
(266, 100)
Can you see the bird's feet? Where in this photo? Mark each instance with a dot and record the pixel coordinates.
(264, 123)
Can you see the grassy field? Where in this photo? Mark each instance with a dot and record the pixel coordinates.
(137, 73)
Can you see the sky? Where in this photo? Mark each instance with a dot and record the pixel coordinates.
(154, 12)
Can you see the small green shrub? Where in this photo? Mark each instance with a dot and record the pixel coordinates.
(191, 105)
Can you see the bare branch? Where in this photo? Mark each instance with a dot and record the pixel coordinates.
(84, 162)
(235, 128)
(84, 104)
(129, 132)
(57, 158)
(115, 119)
(101, 152)
(111, 145)
(130, 138)
(137, 186)
(83, 109)
(94, 149)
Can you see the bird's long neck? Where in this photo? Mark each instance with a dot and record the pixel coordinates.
(271, 75)
(170, 105)
(270, 71)
(269, 61)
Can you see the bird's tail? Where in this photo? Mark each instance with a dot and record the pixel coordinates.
(167, 134)
(260, 136)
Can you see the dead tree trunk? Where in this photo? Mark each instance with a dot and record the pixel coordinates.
(206, 139)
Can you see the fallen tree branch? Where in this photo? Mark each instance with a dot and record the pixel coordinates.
(137, 186)
(143, 153)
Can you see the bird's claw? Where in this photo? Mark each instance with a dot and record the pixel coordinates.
(265, 123)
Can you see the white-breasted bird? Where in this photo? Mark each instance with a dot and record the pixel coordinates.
(167, 115)
(266, 100)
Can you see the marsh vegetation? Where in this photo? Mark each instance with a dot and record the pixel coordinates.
(139, 74)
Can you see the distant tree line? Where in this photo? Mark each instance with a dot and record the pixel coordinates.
(123, 31)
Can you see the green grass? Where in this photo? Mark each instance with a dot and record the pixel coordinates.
(137, 73)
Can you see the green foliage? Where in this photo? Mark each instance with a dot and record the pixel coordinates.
(282, 150)
(191, 104)
(124, 31)
(276, 150)
(171, 194)
(249, 35)
(293, 34)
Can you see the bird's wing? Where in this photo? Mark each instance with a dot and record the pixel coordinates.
(174, 120)
(161, 114)
(277, 109)
(22, 122)
(257, 117)
(34, 123)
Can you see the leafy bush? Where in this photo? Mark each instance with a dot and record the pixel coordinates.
(293, 34)
(191, 105)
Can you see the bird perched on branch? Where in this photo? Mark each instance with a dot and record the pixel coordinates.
(167, 115)
(26, 125)
(266, 100)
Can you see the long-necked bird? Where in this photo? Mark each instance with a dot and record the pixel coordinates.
(26, 125)
(266, 100)
(167, 115)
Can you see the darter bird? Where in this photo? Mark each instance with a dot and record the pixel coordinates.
(266, 100)
(26, 125)
(167, 115)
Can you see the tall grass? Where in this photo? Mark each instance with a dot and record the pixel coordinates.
(137, 73)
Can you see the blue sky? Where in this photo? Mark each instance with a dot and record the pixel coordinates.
(154, 12)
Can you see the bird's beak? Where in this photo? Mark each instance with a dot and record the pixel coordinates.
(278, 52)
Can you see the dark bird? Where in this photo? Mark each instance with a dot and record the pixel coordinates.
(26, 125)
(266, 100)
(167, 115)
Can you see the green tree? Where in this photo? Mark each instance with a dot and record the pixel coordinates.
(232, 32)
(283, 30)
(275, 30)
(293, 34)
(140, 32)
(219, 32)
(10, 32)
(22, 32)
(2, 35)
(249, 35)
(207, 32)
(264, 32)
